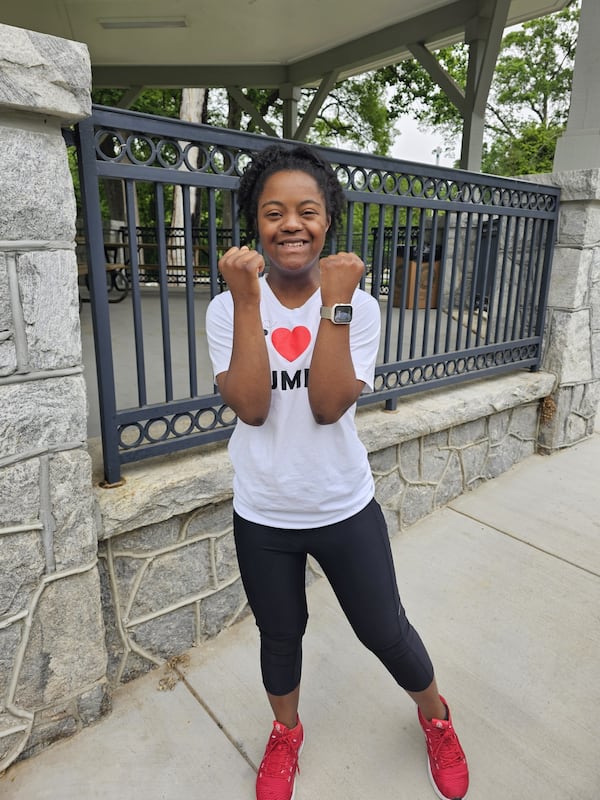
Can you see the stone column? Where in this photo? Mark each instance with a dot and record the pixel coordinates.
(52, 651)
(572, 337)
(579, 147)
(576, 161)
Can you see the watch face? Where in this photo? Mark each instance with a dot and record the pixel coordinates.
(342, 314)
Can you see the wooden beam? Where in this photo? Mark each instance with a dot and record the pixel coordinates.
(326, 85)
(241, 99)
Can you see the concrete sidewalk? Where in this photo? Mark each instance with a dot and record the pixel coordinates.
(504, 587)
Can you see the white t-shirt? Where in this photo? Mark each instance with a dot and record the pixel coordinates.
(291, 472)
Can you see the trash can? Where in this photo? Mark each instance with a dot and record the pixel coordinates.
(411, 277)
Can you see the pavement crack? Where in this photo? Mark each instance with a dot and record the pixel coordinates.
(216, 720)
(525, 542)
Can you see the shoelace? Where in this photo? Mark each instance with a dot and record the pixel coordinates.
(445, 750)
(281, 754)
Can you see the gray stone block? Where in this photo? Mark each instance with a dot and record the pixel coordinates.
(383, 461)
(578, 223)
(410, 460)
(50, 301)
(498, 427)
(37, 199)
(435, 461)
(503, 456)
(125, 570)
(226, 563)
(174, 576)
(10, 639)
(19, 494)
(465, 435)
(65, 651)
(10, 743)
(221, 609)
(93, 704)
(524, 422)
(150, 537)
(591, 399)
(5, 302)
(569, 353)
(135, 666)
(576, 184)
(473, 461)
(22, 565)
(42, 414)
(389, 489)
(392, 521)
(72, 504)
(212, 519)
(44, 74)
(8, 357)
(46, 733)
(416, 503)
(451, 483)
(8, 354)
(115, 646)
(576, 428)
(596, 352)
(151, 494)
(570, 277)
(168, 635)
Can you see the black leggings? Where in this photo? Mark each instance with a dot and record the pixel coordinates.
(356, 557)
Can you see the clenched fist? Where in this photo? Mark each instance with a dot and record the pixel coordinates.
(340, 275)
(240, 268)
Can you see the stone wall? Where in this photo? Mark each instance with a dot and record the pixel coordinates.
(52, 651)
(572, 335)
(170, 575)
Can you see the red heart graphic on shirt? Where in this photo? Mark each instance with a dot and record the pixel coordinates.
(291, 343)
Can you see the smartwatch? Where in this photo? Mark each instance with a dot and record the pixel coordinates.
(339, 313)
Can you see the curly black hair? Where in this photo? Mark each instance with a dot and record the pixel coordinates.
(278, 158)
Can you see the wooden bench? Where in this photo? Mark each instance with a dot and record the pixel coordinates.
(117, 283)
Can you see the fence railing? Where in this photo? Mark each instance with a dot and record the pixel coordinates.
(460, 263)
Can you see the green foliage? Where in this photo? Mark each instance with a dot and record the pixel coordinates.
(529, 98)
(161, 102)
(355, 114)
(534, 73)
(412, 91)
(532, 151)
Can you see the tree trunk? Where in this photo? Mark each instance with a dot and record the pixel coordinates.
(191, 109)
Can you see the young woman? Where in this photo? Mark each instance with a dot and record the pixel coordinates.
(291, 353)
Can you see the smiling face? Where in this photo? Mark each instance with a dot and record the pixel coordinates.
(292, 222)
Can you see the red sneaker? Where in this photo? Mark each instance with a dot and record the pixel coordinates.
(447, 764)
(277, 772)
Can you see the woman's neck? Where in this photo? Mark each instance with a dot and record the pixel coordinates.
(293, 293)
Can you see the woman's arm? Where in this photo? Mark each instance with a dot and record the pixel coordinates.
(332, 383)
(246, 385)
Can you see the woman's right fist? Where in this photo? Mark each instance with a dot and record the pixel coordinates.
(240, 268)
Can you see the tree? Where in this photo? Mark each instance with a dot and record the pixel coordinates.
(529, 99)
(162, 102)
(190, 109)
(355, 115)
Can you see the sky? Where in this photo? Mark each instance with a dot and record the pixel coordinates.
(413, 144)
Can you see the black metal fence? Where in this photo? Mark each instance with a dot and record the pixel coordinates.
(459, 261)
